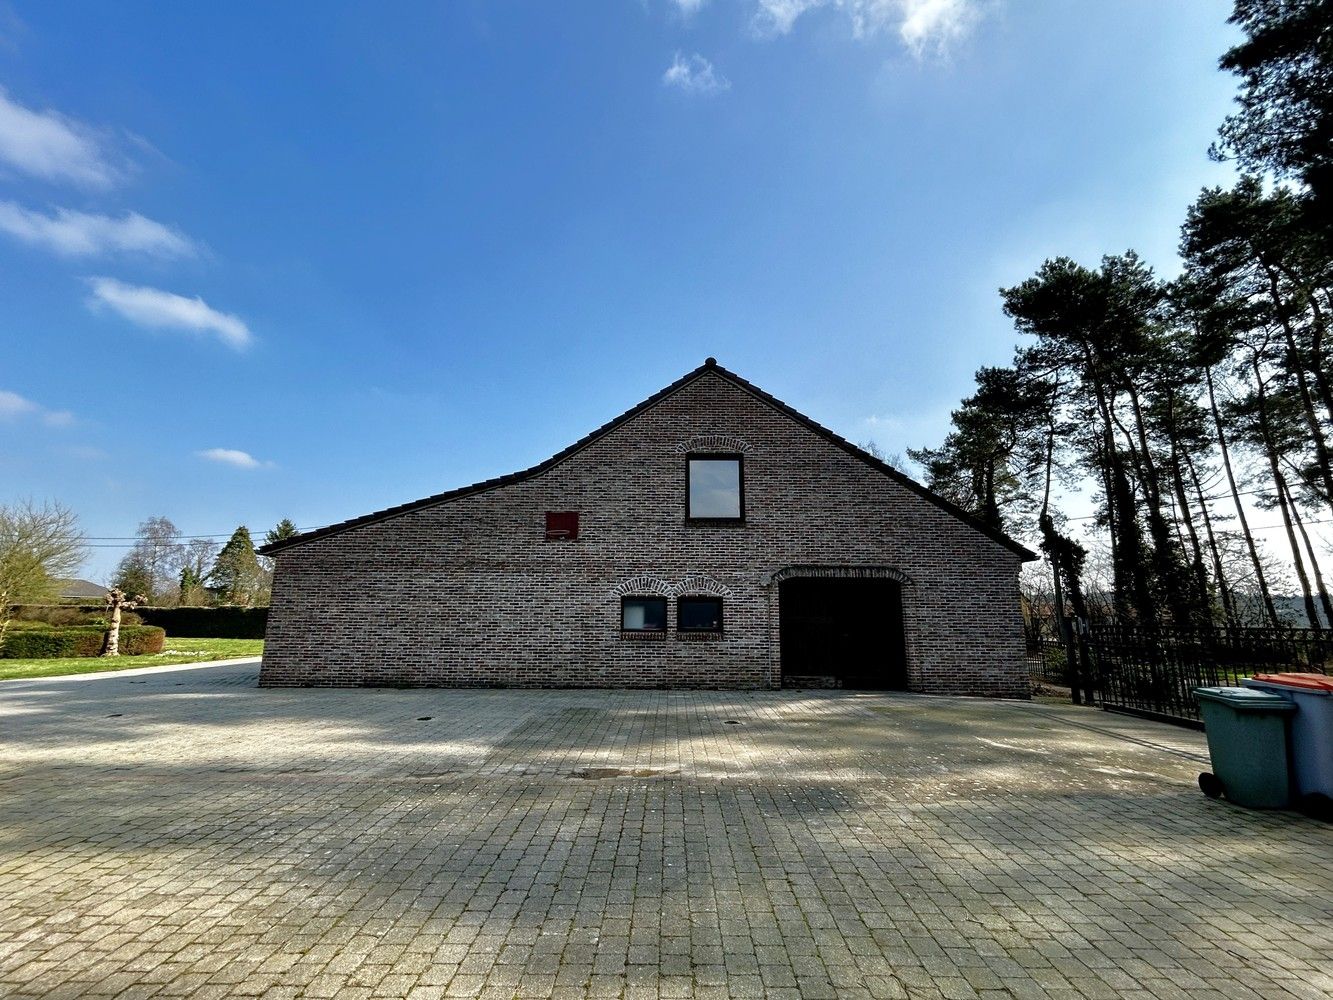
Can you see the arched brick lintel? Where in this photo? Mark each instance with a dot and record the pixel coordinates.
(693, 583)
(713, 442)
(698, 584)
(841, 572)
(644, 584)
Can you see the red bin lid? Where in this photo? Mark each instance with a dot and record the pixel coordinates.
(1305, 682)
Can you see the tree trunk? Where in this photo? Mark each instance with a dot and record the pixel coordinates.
(1199, 601)
(1127, 563)
(1135, 565)
(1223, 588)
(1280, 485)
(1296, 369)
(1198, 570)
(1318, 333)
(1165, 565)
(113, 632)
(1119, 586)
(1325, 600)
(1259, 577)
(1132, 568)
(1059, 551)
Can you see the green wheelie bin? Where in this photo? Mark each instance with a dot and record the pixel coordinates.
(1247, 740)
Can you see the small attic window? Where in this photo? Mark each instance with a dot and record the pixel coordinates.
(562, 525)
(714, 489)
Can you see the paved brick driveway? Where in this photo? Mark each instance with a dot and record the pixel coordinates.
(185, 834)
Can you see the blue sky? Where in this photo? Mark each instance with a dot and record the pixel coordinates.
(310, 261)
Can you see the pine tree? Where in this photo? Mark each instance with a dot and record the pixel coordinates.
(237, 576)
(280, 532)
(1285, 121)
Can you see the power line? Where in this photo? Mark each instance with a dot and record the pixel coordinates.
(136, 538)
(1221, 496)
(1253, 527)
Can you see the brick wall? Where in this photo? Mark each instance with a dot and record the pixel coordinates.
(468, 592)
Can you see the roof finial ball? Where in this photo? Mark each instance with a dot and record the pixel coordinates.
(710, 362)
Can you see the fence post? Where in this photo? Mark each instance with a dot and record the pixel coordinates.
(1078, 660)
(1086, 672)
(1070, 636)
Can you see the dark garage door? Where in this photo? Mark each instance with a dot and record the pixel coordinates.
(850, 631)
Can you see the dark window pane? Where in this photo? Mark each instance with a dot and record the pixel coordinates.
(715, 487)
(700, 614)
(643, 614)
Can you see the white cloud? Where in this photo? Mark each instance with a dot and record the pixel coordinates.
(688, 8)
(694, 75)
(777, 17)
(14, 407)
(922, 25)
(153, 307)
(233, 457)
(80, 234)
(48, 145)
(936, 24)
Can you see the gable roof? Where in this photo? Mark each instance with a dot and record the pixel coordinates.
(79, 588)
(709, 366)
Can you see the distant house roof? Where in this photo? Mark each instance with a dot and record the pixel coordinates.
(708, 367)
(72, 589)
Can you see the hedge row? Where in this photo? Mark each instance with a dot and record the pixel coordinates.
(187, 623)
(82, 640)
(208, 623)
(64, 616)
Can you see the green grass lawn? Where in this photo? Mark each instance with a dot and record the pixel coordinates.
(176, 651)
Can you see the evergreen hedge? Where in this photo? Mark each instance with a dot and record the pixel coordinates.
(187, 623)
(80, 640)
(208, 623)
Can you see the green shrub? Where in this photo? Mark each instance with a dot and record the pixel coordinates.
(138, 640)
(228, 622)
(69, 614)
(50, 643)
(208, 623)
(79, 640)
(64, 617)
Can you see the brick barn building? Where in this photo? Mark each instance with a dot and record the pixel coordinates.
(712, 536)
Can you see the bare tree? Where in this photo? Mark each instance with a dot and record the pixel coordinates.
(154, 565)
(197, 556)
(893, 459)
(39, 544)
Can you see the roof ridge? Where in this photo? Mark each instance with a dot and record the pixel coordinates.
(710, 365)
(879, 465)
(496, 481)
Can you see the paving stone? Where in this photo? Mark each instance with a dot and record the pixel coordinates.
(215, 840)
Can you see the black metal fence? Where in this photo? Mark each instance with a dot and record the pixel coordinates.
(1154, 671)
(1048, 661)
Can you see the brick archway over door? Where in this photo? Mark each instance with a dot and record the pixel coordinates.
(841, 626)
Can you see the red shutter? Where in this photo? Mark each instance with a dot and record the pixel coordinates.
(562, 525)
